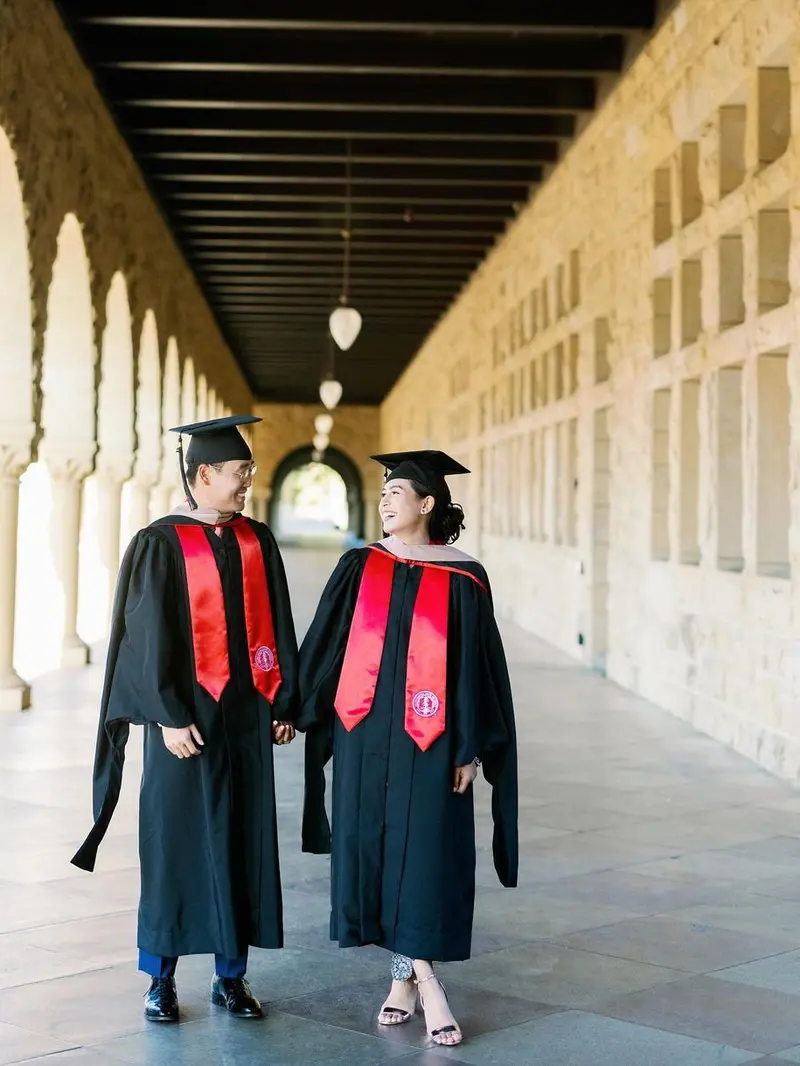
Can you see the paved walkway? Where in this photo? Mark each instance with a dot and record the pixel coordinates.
(658, 922)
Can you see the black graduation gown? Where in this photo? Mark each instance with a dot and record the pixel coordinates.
(208, 843)
(403, 843)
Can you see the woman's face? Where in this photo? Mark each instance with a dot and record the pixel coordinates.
(401, 510)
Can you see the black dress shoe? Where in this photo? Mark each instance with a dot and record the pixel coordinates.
(161, 1001)
(233, 993)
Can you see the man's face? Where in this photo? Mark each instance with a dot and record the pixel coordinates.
(225, 485)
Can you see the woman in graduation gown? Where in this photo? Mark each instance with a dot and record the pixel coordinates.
(403, 681)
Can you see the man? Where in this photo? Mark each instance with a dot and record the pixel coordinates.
(203, 655)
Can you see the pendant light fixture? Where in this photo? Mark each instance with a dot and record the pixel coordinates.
(324, 424)
(330, 391)
(321, 442)
(345, 321)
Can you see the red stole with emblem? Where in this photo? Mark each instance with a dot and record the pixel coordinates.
(426, 666)
(207, 610)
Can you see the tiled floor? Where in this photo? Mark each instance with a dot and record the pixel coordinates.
(657, 922)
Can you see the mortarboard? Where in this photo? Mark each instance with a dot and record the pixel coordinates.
(427, 468)
(215, 441)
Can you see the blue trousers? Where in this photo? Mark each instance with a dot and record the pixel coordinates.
(164, 966)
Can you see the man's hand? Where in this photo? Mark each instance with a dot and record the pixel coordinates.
(283, 732)
(182, 742)
(463, 777)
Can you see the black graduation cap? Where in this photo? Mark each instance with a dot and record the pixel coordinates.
(215, 441)
(427, 468)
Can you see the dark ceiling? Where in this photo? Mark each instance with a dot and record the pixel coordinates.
(240, 114)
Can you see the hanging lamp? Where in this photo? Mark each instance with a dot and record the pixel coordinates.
(330, 391)
(345, 322)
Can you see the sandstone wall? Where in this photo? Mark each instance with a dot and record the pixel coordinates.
(287, 427)
(71, 159)
(623, 376)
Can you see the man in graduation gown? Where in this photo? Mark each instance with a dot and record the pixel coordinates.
(202, 654)
(404, 682)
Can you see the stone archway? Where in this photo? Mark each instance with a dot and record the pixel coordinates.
(167, 491)
(16, 406)
(344, 467)
(147, 466)
(53, 489)
(102, 504)
(188, 394)
(202, 399)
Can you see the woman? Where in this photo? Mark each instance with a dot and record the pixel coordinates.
(404, 683)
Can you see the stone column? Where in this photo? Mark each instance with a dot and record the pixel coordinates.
(67, 491)
(15, 695)
(140, 508)
(109, 521)
(258, 505)
(162, 498)
(372, 521)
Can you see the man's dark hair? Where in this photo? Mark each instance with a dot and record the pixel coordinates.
(192, 466)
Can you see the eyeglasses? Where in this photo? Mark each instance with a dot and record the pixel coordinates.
(246, 474)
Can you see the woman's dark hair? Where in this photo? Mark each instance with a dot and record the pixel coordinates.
(447, 518)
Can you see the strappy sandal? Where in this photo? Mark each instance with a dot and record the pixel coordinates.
(389, 1015)
(445, 1030)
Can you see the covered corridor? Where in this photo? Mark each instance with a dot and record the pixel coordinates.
(575, 250)
(657, 919)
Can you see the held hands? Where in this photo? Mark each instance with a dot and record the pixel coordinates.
(183, 742)
(463, 777)
(283, 732)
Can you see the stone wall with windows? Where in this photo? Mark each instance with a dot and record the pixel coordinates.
(623, 377)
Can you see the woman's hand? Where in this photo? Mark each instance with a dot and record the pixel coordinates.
(283, 732)
(183, 743)
(463, 777)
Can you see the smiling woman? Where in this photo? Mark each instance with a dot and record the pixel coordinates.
(403, 680)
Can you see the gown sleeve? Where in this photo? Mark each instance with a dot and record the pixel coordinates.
(285, 707)
(321, 657)
(484, 720)
(143, 667)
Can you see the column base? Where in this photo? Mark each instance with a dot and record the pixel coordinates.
(74, 653)
(15, 694)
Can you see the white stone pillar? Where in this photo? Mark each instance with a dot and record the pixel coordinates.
(15, 695)
(109, 522)
(139, 508)
(258, 504)
(67, 492)
(161, 501)
(372, 521)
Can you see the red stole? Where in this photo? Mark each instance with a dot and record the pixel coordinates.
(426, 666)
(207, 610)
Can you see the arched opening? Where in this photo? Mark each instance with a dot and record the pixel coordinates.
(16, 374)
(102, 500)
(311, 499)
(202, 399)
(50, 496)
(16, 407)
(188, 395)
(170, 416)
(147, 465)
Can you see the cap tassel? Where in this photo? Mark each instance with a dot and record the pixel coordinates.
(189, 498)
